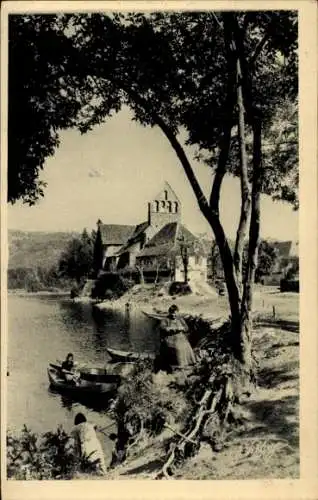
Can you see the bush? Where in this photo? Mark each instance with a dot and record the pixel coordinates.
(199, 329)
(112, 283)
(50, 456)
(109, 295)
(143, 407)
(179, 288)
(289, 285)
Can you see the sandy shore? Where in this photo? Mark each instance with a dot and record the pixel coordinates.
(151, 299)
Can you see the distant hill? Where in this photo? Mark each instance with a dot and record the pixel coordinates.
(36, 249)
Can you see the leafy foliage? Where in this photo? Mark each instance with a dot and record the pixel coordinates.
(77, 261)
(179, 77)
(267, 258)
(179, 288)
(79, 69)
(44, 77)
(50, 456)
(111, 286)
(141, 402)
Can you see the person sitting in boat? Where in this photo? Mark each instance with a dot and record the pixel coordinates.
(87, 445)
(175, 349)
(68, 369)
(68, 364)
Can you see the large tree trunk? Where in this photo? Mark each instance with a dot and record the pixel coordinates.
(254, 230)
(241, 327)
(244, 327)
(245, 188)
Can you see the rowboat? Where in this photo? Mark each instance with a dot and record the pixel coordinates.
(155, 316)
(127, 356)
(90, 381)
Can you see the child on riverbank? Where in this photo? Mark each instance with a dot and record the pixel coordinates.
(87, 445)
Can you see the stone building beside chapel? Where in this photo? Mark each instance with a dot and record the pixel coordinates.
(157, 245)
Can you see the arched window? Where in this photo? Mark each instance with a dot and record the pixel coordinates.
(162, 206)
(169, 206)
(176, 206)
(166, 194)
(156, 205)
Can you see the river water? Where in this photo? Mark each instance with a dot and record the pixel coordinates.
(44, 329)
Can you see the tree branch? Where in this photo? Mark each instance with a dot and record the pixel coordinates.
(201, 199)
(159, 121)
(258, 49)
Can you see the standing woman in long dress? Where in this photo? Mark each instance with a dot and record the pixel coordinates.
(175, 349)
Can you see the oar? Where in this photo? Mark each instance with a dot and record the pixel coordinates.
(103, 429)
(57, 367)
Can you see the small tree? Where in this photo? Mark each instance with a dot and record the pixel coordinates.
(267, 259)
(77, 262)
(140, 268)
(184, 248)
(160, 263)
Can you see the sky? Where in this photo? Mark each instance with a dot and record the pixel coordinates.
(113, 171)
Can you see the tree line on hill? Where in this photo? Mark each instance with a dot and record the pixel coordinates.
(73, 266)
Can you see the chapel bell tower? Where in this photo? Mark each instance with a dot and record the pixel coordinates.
(164, 208)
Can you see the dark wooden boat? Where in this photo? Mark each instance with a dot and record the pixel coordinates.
(91, 381)
(127, 356)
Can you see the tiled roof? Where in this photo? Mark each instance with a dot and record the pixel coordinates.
(167, 240)
(166, 235)
(158, 250)
(115, 234)
(139, 230)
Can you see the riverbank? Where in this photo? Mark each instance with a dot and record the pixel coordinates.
(266, 444)
(205, 302)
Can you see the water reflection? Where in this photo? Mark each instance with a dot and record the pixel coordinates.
(75, 314)
(49, 329)
(70, 402)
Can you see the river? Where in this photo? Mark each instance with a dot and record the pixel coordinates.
(43, 329)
